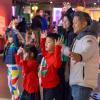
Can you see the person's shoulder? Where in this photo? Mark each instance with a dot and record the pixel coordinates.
(90, 39)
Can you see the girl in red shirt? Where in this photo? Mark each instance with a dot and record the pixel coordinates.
(27, 59)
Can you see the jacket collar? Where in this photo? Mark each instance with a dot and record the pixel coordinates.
(85, 32)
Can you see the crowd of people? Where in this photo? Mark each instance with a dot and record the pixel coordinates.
(66, 61)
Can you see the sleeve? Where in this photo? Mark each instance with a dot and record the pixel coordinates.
(65, 50)
(18, 60)
(26, 38)
(57, 56)
(90, 47)
(42, 46)
(7, 32)
(25, 67)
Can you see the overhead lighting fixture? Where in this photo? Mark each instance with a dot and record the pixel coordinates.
(95, 3)
(35, 8)
(51, 2)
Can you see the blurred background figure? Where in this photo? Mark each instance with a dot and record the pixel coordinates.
(22, 26)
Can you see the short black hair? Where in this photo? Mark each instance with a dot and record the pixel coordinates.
(53, 36)
(31, 49)
(38, 10)
(84, 16)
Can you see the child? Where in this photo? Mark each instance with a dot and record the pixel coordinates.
(27, 59)
(13, 69)
(50, 64)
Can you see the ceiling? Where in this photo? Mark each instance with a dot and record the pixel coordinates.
(88, 3)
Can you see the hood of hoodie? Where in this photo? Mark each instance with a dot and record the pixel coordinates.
(92, 29)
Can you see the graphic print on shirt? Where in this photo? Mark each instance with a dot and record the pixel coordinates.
(44, 68)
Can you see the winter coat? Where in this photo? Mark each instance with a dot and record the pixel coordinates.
(85, 72)
(9, 54)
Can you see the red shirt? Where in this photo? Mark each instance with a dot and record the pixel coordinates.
(30, 72)
(53, 62)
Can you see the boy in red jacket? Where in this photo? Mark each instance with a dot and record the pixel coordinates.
(27, 59)
(50, 64)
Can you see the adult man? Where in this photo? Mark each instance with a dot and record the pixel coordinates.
(84, 57)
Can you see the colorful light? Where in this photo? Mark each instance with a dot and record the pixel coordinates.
(13, 10)
(56, 14)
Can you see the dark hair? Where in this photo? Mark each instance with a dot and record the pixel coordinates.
(31, 49)
(53, 36)
(84, 16)
(70, 19)
(23, 19)
(14, 17)
(38, 10)
(36, 23)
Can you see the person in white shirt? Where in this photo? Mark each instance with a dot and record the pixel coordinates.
(84, 54)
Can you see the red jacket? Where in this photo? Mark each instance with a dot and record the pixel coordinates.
(30, 71)
(53, 62)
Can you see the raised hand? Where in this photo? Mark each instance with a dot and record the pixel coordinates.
(44, 34)
(20, 50)
(59, 41)
(25, 56)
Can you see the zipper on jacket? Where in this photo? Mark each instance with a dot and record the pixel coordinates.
(83, 73)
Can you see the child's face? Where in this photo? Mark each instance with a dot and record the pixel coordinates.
(10, 39)
(49, 44)
(29, 55)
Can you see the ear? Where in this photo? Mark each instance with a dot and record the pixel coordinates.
(84, 23)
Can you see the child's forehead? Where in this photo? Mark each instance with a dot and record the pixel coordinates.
(49, 39)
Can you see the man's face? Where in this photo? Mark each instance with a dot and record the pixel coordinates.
(78, 25)
(41, 13)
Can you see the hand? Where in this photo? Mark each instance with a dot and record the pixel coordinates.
(20, 50)
(59, 41)
(44, 34)
(33, 36)
(76, 57)
(25, 56)
(10, 25)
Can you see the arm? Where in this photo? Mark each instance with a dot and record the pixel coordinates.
(57, 56)
(89, 48)
(20, 37)
(65, 50)
(18, 59)
(7, 32)
(26, 38)
(42, 46)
